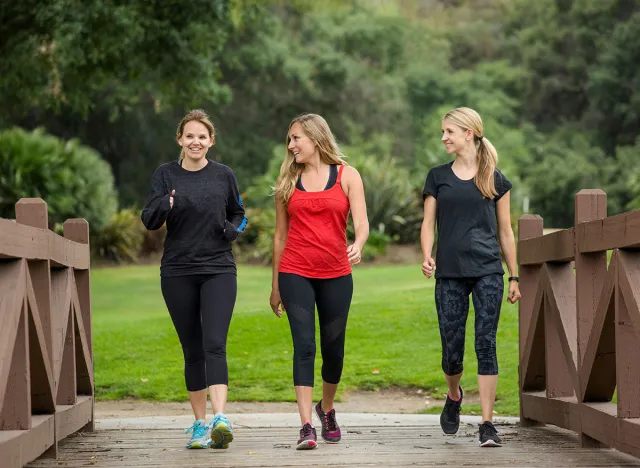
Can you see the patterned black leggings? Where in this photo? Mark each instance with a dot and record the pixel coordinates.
(452, 304)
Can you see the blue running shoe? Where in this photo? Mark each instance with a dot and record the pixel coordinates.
(221, 432)
(201, 435)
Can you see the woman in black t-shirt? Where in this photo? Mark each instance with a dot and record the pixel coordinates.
(469, 199)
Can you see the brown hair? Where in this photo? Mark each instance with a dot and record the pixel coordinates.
(318, 131)
(198, 115)
(468, 119)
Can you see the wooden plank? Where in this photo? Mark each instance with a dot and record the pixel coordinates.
(361, 447)
(591, 269)
(42, 383)
(40, 276)
(629, 436)
(529, 226)
(16, 410)
(84, 356)
(12, 294)
(629, 278)
(561, 412)
(66, 253)
(627, 355)
(66, 388)
(61, 311)
(554, 247)
(533, 364)
(561, 331)
(18, 448)
(598, 370)
(72, 418)
(600, 423)
(20, 241)
(615, 232)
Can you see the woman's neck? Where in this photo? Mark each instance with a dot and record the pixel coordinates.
(193, 165)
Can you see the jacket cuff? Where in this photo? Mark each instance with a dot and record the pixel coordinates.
(230, 231)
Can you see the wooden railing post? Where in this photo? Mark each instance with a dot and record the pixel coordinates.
(528, 226)
(591, 271)
(77, 230)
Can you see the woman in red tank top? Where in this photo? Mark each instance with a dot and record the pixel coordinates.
(315, 193)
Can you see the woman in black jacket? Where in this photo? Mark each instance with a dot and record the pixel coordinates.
(201, 205)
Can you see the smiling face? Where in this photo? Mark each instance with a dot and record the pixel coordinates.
(195, 140)
(300, 145)
(454, 137)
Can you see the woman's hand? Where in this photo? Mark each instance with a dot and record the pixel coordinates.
(173, 192)
(514, 292)
(354, 253)
(428, 267)
(276, 303)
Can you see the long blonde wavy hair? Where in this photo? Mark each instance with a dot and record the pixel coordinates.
(198, 115)
(318, 131)
(468, 119)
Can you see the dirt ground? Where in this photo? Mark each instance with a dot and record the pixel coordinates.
(382, 401)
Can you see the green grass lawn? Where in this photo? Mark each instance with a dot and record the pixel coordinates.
(392, 339)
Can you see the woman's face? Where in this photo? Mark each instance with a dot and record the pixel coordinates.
(195, 140)
(300, 144)
(454, 137)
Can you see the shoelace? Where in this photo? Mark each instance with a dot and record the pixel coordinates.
(306, 430)
(330, 420)
(489, 430)
(197, 429)
(452, 407)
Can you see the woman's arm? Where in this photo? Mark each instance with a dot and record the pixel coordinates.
(508, 243)
(279, 242)
(236, 220)
(355, 194)
(427, 235)
(155, 212)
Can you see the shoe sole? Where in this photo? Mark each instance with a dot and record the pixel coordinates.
(198, 445)
(307, 445)
(490, 443)
(221, 436)
(331, 441)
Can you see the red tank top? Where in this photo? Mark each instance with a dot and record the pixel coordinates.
(317, 240)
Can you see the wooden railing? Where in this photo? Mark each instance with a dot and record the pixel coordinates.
(46, 358)
(580, 324)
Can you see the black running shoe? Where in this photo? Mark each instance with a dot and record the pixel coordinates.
(450, 416)
(489, 435)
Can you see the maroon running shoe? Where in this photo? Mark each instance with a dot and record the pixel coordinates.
(307, 440)
(330, 429)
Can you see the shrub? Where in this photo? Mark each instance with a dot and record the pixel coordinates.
(120, 239)
(73, 179)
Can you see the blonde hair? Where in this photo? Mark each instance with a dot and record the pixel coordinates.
(198, 115)
(318, 131)
(468, 119)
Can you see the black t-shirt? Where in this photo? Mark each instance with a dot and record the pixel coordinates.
(206, 217)
(467, 225)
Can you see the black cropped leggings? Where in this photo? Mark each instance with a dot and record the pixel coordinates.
(300, 296)
(452, 304)
(201, 307)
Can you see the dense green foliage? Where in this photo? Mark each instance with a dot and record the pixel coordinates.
(73, 179)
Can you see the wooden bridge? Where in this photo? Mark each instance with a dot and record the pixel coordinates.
(579, 352)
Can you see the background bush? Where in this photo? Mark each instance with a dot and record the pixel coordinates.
(72, 178)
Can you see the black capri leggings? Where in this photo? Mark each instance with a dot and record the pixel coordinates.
(201, 307)
(452, 304)
(333, 296)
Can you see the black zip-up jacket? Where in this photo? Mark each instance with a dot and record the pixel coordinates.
(207, 215)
